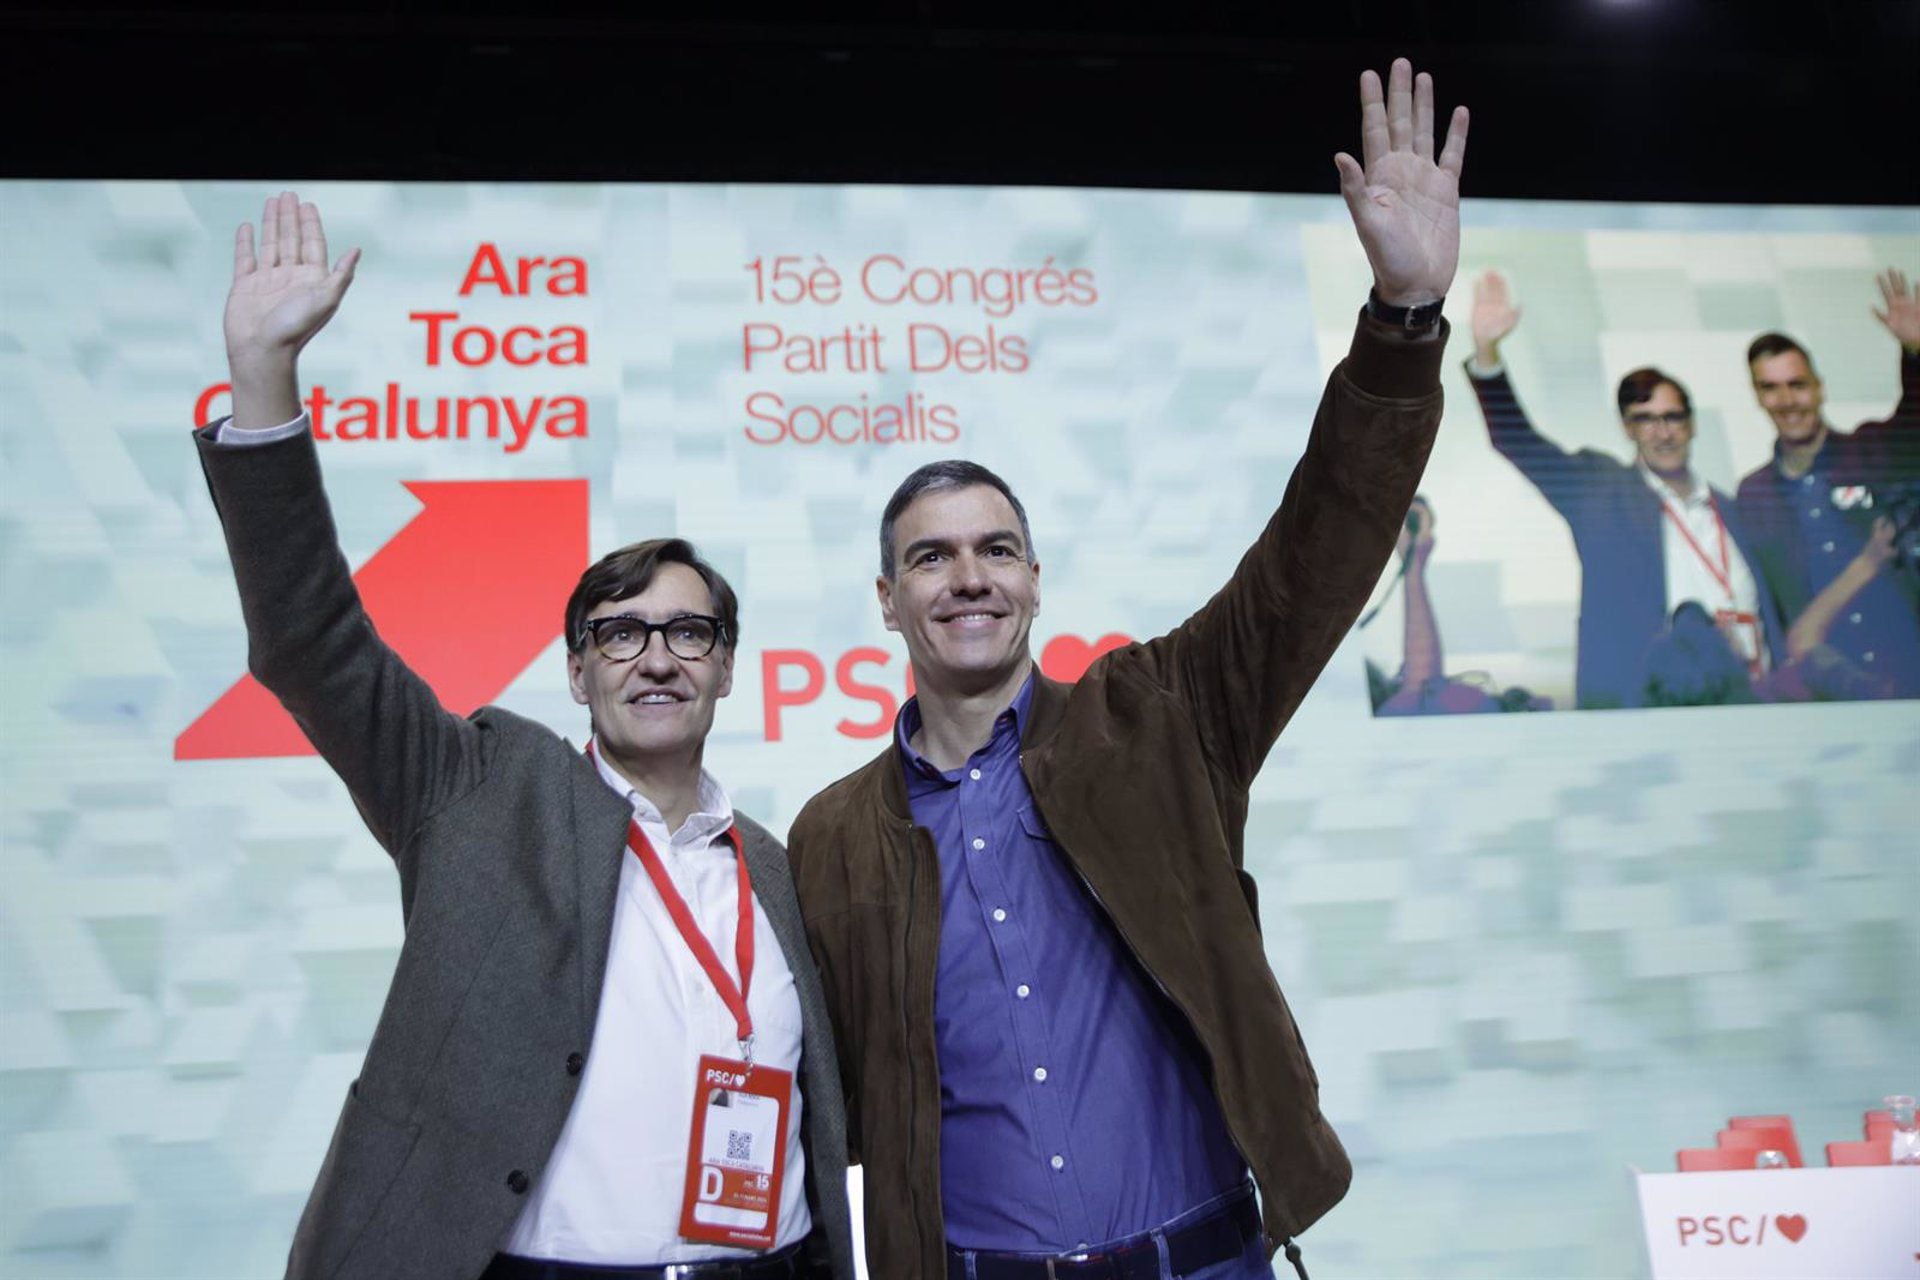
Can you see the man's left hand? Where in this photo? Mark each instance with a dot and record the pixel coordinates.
(1405, 204)
(1873, 557)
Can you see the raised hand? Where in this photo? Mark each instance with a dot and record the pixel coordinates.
(1494, 316)
(1405, 204)
(1902, 316)
(281, 296)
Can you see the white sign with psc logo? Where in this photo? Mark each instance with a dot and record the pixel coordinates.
(1795, 1224)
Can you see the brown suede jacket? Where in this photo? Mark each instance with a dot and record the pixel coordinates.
(1141, 770)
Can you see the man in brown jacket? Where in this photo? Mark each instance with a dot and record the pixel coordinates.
(1063, 1047)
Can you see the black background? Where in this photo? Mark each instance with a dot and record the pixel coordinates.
(1663, 100)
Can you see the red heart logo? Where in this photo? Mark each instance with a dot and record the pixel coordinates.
(1066, 658)
(1792, 1225)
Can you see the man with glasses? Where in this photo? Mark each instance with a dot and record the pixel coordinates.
(1651, 535)
(604, 980)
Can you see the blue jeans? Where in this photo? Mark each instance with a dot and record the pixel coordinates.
(1250, 1265)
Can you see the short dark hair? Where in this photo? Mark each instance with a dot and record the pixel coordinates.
(1638, 388)
(938, 477)
(1768, 345)
(628, 571)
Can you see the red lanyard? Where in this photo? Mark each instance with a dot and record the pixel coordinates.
(1722, 575)
(735, 997)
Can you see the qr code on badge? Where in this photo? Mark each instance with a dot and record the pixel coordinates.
(739, 1145)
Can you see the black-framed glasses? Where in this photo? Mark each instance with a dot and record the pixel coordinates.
(623, 637)
(1671, 418)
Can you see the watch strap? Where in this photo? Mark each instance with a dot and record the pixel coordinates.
(1423, 316)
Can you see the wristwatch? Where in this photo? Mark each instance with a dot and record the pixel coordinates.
(1424, 316)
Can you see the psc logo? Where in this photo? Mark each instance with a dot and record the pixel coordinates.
(1738, 1230)
(1064, 658)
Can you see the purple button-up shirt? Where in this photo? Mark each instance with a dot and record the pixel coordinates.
(1075, 1103)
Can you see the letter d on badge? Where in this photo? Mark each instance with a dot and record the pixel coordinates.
(710, 1183)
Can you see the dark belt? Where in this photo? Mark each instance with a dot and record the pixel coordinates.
(1218, 1237)
(789, 1263)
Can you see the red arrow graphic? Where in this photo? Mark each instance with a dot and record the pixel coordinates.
(468, 593)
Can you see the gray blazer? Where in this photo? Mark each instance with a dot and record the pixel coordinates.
(509, 848)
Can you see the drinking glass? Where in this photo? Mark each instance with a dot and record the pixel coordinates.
(1905, 1141)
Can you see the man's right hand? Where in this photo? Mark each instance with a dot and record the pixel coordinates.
(281, 297)
(1494, 317)
(1902, 316)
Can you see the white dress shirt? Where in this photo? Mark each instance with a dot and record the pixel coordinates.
(224, 432)
(611, 1192)
(1694, 569)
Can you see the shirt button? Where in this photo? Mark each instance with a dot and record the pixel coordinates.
(517, 1182)
(978, 843)
(1854, 618)
(974, 774)
(999, 915)
(574, 1063)
(1058, 1162)
(1813, 513)
(1867, 656)
(1023, 990)
(1040, 1074)
(1826, 546)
